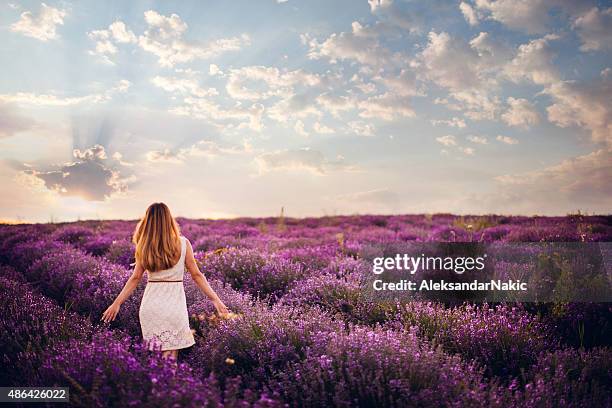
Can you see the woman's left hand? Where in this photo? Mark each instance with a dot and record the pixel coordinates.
(111, 313)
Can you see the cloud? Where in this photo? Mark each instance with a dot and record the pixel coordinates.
(492, 51)
(575, 183)
(391, 12)
(478, 139)
(41, 26)
(594, 28)
(117, 32)
(583, 104)
(335, 104)
(296, 106)
(203, 108)
(361, 45)
(27, 98)
(521, 113)
(12, 122)
(164, 39)
(467, 70)
(506, 139)
(469, 13)
(450, 62)
(453, 122)
(270, 80)
(403, 84)
(530, 16)
(203, 148)
(164, 156)
(534, 62)
(359, 84)
(93, 175)
(322, 129)
(182, 85)
(447, 140)
(305, 159)
(121, 33)
(361, 128)
(451, 141)
(386, 106)
(213, 69)
(299, 128)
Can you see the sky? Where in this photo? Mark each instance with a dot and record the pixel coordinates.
(241, 108)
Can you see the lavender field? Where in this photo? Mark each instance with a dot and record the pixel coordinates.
(306, 334)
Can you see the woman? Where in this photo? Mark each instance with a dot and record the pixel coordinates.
(163, 253)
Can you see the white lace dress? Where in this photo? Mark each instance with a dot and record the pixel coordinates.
(163, 311)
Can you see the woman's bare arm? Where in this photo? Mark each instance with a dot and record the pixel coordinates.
(111, 313)
(200, 280)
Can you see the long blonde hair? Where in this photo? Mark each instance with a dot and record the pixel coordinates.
(157, 239)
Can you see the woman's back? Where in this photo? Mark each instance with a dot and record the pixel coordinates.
(163, 310)
(174, 273)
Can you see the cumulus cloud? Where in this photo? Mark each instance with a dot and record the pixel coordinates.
(390, 12)
(361, 45)
(213, 69)
(387, 106)
(93, 175)
(164, 156)
(469, 13)
(304, 159)
(202, 148)
(467, 70)
(260, 82)
(361, 128)
(28, 98)
(164, 39)
(403, 84)
(450, 62)
(530, 16)
(506, 139)
(335, 104)
(322, 129)
(299, 128)
(447, 140)
(492, 51)
(105, 40)
(521, 113)
(595, 29)
(450, 141)
(534, 62)
(296, 106)
(202, 108)
(41, 26)
(478, 139)
(453, 122)
(583, 104)
(182, 85)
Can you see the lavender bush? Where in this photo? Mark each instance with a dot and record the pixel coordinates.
(306, 333)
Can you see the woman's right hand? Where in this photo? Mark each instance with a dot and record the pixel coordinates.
(221, 308)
